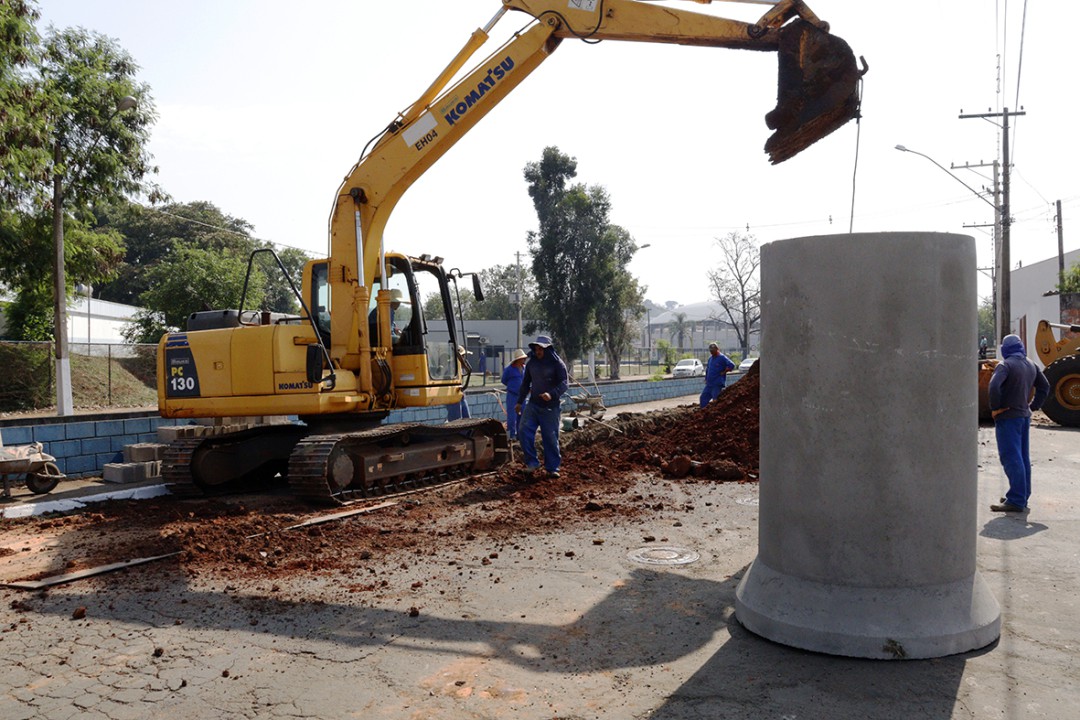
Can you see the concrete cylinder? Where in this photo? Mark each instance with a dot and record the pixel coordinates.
(869, 432)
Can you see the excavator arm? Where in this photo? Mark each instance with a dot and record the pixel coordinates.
(817, 93)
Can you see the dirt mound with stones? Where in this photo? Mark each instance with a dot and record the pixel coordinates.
(719, 441)
(263, 536)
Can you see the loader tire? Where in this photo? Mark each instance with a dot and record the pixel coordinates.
(1063, 403)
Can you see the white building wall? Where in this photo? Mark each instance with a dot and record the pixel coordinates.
(1029, 303)
(102, 325)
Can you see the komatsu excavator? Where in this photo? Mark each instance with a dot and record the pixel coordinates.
(361, 345)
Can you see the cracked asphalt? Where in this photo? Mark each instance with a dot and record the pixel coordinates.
(561, 624)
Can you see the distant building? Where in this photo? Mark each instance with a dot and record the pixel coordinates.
(102, 325)
(1030, 303)
(706, 327)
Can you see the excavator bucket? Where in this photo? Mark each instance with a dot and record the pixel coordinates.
(817, 92)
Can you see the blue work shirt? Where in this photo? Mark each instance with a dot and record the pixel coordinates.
(511, 378)
(717, 369)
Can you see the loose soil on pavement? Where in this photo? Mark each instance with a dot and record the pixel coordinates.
(248, 537)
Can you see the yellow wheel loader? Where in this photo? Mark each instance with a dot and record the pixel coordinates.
(1062, 361)
(361, 345)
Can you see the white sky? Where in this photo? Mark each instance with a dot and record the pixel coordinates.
(265, 105)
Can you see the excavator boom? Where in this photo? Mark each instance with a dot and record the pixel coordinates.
(363, 344)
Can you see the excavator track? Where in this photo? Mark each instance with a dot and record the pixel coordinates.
(176, 468)
(343, 467)
(229, 462)
(335, 468)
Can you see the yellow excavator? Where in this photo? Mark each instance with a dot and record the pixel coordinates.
(361, 345)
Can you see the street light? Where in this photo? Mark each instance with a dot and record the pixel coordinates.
(1001, 254)
(64, 405)
(982, 197)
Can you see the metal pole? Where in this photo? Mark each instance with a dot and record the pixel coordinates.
(1006, 263)
(1061, 263)
(63, 363)
(997, 250)
(519, 298)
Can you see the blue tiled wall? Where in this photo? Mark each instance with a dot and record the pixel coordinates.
(84, 446)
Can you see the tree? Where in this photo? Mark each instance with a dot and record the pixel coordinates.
(573, 248)
(737, 286)
(1071, 282)
(678, 328)
(191, 280)
(621, 308)
(155, 235)
(986, 321)
(24, 154)
(95, 155)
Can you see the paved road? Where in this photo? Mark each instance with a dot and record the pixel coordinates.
(536, 633)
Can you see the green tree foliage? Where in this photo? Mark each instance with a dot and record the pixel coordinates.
(573, 252)
(987, 322)
(70, 85)
(155, 236)
(1071, 281)
(499, 283)
(24, 151)
(622, 305)
(736, 284)
(191, 280)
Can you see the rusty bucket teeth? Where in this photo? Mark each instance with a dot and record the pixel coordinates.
(817, 89)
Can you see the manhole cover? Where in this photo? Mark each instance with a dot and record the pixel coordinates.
(752, 501)
(663, 555)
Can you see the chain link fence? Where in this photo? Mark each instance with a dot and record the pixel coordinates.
(103, 375)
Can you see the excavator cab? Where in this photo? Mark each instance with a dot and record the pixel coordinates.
(423, 364)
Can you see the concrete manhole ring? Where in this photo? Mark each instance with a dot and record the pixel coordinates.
(663, 555)
(751, 501)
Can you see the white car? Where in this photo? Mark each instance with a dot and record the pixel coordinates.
(690, 367)
(747, 364)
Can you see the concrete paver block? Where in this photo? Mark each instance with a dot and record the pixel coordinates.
(144, 452)
(131, 472)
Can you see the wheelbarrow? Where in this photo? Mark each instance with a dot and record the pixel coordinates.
(39, 468)
(586, 401)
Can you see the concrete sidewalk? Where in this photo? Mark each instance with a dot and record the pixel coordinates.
(556, 626)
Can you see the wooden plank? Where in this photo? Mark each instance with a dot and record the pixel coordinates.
(80, 574)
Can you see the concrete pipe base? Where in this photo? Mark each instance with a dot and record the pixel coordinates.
(878, 623)
(869, 436)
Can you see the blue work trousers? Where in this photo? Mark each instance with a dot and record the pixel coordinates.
(1013, 450)
(547, 419)
(511, 415)
(711, 392)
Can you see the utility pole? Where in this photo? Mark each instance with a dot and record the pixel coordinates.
(1061, 263)
(1004, 268)
(518, 255)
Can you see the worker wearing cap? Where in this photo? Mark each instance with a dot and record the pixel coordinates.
(511, 377)
(539, 399)
(1016, 388)
(716, 371)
